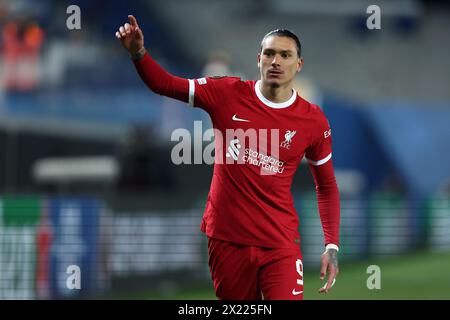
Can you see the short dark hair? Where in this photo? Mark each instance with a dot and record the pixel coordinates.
(285, 33)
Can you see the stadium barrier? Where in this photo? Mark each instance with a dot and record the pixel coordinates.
(41, 239)
(122, 250)
(438, 223)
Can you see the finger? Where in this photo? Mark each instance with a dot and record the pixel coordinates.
(330, 282)
(118, 36)
(323, 288)
(127, 28)
(138, 33)
(323, 270)
(331, 279)
(122, 31)
(133, 21)
(334, 271)
(327, 286)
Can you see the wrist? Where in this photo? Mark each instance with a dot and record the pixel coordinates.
(138, 55)
(331, 246)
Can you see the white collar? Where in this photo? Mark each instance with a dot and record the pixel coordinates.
(271, 104)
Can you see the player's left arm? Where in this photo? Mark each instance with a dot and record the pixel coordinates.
(319, 155)
(329, 210)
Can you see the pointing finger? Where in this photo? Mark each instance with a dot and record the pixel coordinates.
(133, 21)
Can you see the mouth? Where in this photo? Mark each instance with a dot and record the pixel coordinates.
(274, 73)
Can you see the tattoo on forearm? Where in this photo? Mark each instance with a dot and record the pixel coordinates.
(332, 254)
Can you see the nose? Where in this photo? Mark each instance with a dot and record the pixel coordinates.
(275, 61)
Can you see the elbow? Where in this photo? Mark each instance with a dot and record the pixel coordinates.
(327, 188)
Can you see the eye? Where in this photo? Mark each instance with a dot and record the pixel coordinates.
(268, 54)
(285, 55)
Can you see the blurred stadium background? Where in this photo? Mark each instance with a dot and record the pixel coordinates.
(86, 177)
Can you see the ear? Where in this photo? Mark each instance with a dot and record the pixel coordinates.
(258, 57)
(299, 64)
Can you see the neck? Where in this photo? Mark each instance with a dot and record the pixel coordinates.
(276, 94)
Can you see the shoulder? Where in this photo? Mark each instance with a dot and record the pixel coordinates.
(219, 80)
(226, 85)
(222, 84)
(315, 113)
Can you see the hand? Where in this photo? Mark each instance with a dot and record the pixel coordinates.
(131, 36)
(329, 262)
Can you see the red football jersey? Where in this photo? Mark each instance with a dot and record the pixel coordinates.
(250, 200)
(259, 145)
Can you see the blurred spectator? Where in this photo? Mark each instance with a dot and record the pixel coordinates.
(20, 55)
(308, 90)
(219, 65)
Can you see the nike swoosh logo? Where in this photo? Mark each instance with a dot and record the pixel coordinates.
(239, 119)
(296, 292)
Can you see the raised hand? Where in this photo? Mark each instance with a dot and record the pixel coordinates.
(131, 36)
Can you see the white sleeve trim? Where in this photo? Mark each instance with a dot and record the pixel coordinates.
(191, 92)
(331, 246)
(320, 162)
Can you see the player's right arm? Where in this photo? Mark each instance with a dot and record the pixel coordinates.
(159, 80)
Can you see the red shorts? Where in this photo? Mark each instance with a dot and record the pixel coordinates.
(252, 273)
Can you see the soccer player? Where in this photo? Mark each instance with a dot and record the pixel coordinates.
(250, 220)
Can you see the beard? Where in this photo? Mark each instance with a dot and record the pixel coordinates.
(274, 85)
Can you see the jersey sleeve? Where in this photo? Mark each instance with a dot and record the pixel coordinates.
(206, 93)
(328, 201)
(210, 93)
(160, 81)
(320, 151)
(321, 166)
